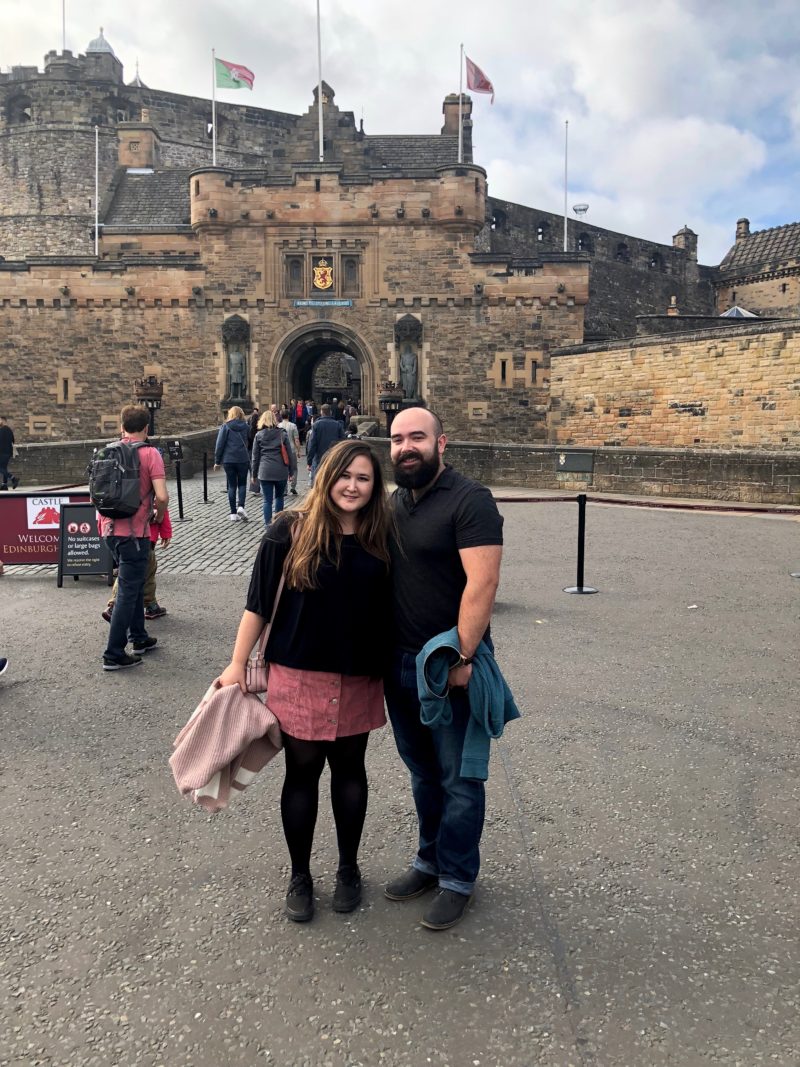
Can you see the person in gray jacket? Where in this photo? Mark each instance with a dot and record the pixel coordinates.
(327, 431)
(270, 463)
(231, 451)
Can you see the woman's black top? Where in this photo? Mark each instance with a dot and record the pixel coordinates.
(343, 626)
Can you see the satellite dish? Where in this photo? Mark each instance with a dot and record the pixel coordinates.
(580, 209)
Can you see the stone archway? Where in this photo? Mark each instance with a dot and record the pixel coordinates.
(299, 352)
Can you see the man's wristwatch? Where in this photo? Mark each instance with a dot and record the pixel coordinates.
(463, 661)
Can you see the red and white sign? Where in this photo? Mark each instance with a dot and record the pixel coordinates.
(29, 525)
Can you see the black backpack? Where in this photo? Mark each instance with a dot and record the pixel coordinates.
(113, 476)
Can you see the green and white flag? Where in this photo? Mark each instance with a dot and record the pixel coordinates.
(233, 75)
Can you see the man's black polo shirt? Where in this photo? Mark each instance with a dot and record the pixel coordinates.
(427, 576)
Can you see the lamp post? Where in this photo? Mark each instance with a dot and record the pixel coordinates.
(148, 392)
(390, 401)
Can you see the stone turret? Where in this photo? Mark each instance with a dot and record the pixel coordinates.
(687, 240)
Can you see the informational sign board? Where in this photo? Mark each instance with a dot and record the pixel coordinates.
(30, 525)
(81, 550)
(575, 462)
(175, 449)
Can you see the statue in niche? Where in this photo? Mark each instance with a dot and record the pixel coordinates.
(236, 336)
(408, 371)
(408, 335)
(236, 372)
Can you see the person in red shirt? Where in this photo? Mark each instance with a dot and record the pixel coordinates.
(128, 541)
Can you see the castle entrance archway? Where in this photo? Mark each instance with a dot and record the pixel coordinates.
(320, 360)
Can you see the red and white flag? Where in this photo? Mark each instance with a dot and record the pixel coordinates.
(477, 80)
(232, 75)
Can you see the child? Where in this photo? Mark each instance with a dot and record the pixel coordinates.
(152, 609)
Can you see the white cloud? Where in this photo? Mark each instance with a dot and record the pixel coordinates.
(684, 111)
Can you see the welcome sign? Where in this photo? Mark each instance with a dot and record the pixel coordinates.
(29, 525)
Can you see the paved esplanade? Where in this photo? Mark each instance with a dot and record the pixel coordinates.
(638, 903)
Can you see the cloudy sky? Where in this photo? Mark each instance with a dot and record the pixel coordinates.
(680, 111)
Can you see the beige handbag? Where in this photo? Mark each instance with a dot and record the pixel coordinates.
(256, 671)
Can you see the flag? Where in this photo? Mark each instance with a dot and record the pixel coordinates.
(477, 80)
(233, 75)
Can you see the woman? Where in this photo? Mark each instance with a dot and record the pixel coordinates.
(325, 665)
(231, 451)
(269, 467)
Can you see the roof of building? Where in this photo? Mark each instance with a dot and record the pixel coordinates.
(100, 44)
(764, 250)
(737, 312)
(411, 152)
(158, 198)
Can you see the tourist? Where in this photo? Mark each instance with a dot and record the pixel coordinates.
(327, 431)
(159, 531)
(325, 667)
(8, 450)
(231, 452)
(270, 463)
(294, 452)
(446, 546)
(128, 541)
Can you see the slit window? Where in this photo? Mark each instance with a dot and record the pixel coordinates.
(503, 370)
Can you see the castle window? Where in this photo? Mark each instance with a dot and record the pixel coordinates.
(784, 287)
(503, 370)
(656, 261)
(534, 368)
(733, 297)
(498, 219)
(623, 253)
(294, 276)
(543, 232)
(19, 109)
(584, 243)
(316, 185)
(350, 286)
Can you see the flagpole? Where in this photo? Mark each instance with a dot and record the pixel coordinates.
(213, 108)
(460, 94)
(566, 144)
(96, 190)
(319, 89)
(63, 25)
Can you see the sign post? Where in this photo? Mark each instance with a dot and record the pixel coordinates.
(81, 549)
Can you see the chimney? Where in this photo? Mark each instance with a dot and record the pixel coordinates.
(742, 230)
(673, 306)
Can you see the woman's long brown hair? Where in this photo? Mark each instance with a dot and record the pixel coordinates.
(316, 532)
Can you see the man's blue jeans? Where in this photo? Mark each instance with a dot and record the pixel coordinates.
(450, 808)
(267, 490)
(131, 555)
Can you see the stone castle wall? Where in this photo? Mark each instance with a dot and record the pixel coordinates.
(740, 389)
(628, 277)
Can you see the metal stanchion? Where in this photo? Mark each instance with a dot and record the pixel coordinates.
(205, 477)
(579, 587)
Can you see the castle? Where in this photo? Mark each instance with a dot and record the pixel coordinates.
(273, 274)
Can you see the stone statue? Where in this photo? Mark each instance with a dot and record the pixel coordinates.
(236, 372)
(408, 371)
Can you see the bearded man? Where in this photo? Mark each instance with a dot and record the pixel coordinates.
(446, 554)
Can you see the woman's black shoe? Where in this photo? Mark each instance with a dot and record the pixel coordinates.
(300, 898)
(347, 895)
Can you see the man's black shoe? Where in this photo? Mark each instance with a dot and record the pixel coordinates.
(149, 643)
(347, 895)
(14, 481)
(112, 664)
(300, 898)
(447, 909)
(410, 885)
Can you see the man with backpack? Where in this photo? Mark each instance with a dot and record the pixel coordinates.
(128, 486)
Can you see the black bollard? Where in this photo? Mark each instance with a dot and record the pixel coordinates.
(205, 477)
(180, 488)
(579, 587)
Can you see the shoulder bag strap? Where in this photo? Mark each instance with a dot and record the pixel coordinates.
(262, 644)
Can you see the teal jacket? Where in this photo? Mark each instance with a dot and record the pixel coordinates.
(490, 701)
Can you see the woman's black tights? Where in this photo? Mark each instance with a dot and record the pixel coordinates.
(305, 761)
